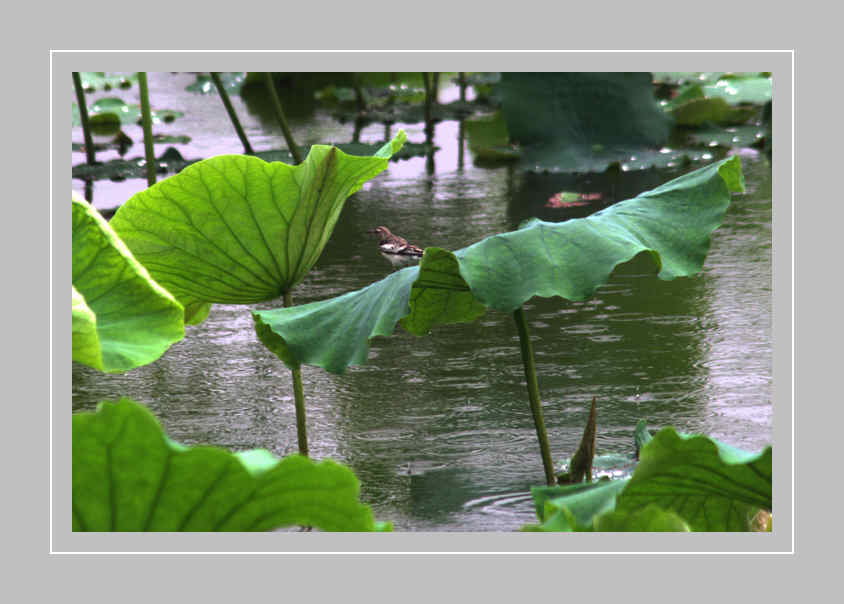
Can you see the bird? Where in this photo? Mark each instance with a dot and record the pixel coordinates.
(396, 249)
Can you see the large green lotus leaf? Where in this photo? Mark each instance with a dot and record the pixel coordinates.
(335, 333)
(650, 519)
(582, 108)
(570, 259)
(128, 476)
(236, 229)
(710, 485)
(122, 318)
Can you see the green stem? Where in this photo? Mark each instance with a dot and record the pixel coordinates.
(221, 90)
(359, 96)
(426, 82)
(299, 397)
(279, 113)
(533, 394)
(83, 116)
(146, 119)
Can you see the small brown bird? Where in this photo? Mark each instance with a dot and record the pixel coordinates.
(396, 249)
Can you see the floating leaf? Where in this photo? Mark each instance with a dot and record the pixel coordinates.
(122, 318)
(128, 476)
(710, 110)
(232, 82)
(136, 167)
(235, 229)
(570, 259)
(99, 80)
(741, 89)
(101, 109)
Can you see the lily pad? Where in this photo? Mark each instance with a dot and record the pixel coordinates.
(169, 163)
(738, 90)
(489, 142)
(93, 81)
(122, 318)
(128, 476)
(126, 113)
(235, 229)
(232, 82)
(672, 224)
(734, 136)
(726, 100)
(699, 111)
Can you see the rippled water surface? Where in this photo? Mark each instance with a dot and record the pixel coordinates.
(438, 428)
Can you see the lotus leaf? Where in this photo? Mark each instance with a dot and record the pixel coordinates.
(571, 259)
(122, 318)
(236, 229)
(128, 476)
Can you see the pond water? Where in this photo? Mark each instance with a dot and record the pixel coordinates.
(438, 429)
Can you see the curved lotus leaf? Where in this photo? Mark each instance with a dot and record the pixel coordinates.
(650, 519)
(235, 229)
(570, 259)
(419, 296)
(128, 476)
(683, 482)
(122, 318)
(573, 507)
(710, 485)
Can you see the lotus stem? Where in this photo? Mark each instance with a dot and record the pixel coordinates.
(247, 148)
(146, 120)
(298, 396)
(360, 98)
(533, 394)
(279, 113)
(90, 156)
(426, 81)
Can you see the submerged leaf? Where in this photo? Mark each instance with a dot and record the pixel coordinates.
(235, 229)
(571, 259)
(122, 318)
(128, 476)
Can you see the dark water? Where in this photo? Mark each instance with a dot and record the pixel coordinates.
(438, 429)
